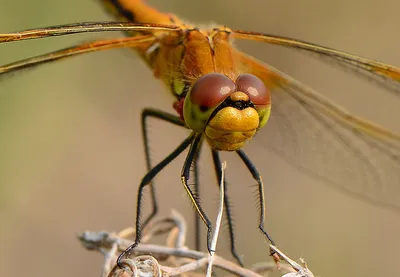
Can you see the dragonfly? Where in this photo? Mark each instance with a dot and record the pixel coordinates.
(227, 99)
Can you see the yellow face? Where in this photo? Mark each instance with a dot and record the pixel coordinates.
(228, 113)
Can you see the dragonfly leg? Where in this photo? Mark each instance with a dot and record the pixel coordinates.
(228, 211)
(256, 175)
(175, 120)
(145, 182)
(158, 114)
(191, 156)
(197, 192)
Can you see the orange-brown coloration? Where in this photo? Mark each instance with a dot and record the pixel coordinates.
(176, 63)
(141, 12)
(172, 49)
(180, 55)
(182, 58)
(393, 73)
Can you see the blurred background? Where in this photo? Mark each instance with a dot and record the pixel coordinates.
(72, 156)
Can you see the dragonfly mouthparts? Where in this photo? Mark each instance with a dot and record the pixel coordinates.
(238, 104)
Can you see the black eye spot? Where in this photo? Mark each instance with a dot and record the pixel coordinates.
(203, 109)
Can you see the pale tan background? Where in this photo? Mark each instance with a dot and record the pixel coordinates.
(71, 152)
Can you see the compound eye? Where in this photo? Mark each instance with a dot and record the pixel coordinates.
(210, 90)
(254, 88)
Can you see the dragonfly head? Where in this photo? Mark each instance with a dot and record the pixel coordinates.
(228, 112)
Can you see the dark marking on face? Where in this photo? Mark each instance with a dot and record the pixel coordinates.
(240, 105)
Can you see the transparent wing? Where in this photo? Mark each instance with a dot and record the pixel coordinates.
(87, 27)
(326, 142)
(146, 35)
(383, 74)
(129, 42)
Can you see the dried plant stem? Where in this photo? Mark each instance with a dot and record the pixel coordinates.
(178, 259)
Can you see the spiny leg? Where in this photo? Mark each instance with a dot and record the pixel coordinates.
(146, 181)
(196, 216)
(257, 177)
(158, 114)
(194, 148)
(228, 211)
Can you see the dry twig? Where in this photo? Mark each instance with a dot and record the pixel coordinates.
(176, 257)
